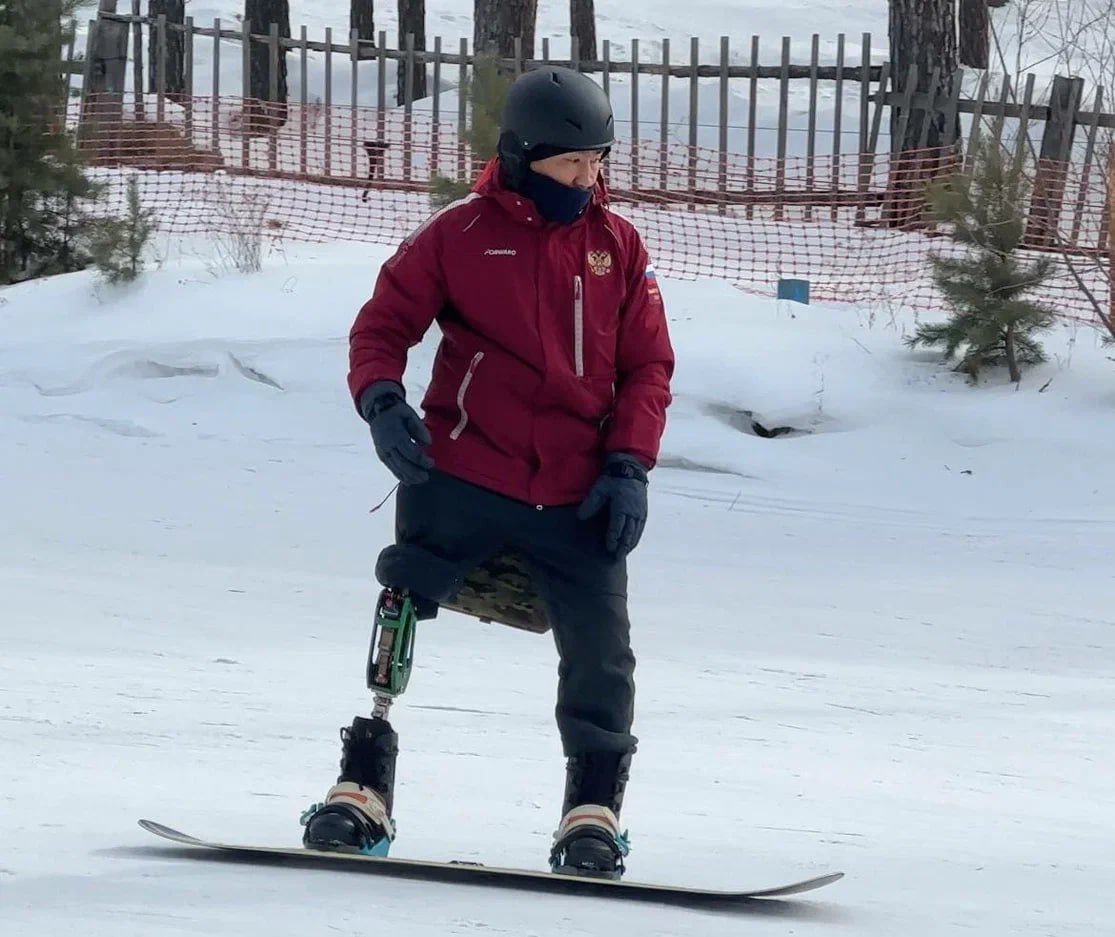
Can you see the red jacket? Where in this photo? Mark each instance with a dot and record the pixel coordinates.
(554, 346)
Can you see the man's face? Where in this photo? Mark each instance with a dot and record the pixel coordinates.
(580, 170)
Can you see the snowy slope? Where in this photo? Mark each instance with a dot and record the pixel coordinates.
(882, 645)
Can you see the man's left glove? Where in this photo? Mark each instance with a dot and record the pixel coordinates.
(622, 488)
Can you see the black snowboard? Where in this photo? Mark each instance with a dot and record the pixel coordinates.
(472, 873)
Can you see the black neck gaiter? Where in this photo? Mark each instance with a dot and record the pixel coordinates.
(555, 202)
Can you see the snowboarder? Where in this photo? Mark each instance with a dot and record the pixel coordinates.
(543, 416)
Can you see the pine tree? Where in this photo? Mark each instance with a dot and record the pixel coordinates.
(486, 91)
(41, 177)
(117, 244)
(992, 322)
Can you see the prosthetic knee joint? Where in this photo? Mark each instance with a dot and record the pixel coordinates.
(391, 654)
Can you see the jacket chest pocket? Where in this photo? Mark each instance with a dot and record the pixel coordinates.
(594, 328)
(579, 325)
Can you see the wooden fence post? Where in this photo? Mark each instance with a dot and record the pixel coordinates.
(381, 96)
(354, 99)
(327, 167)
(137, 61)
(837, 117)
(1086, 170)
(435, 113)
(188, 77)
(752, 111)
(464, 155)
(864, 119)
(1111, 240)
(1053, 161)
(634, 114)
(303, 101)
(722, 141)
(246, 109)
(694, 106)
(86, 82)
(664, 123)
(276, 112)
(783, 128)
(215, 117)
(161, 46)
(811, 129)
(408, 105)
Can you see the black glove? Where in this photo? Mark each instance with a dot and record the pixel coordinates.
(623, 489)
(397, 431)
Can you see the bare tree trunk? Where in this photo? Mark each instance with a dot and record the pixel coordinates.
(412, 19)
(975, 33)
(175, 11)
(361, 17)
(260, 14)
(105, 95)
(496, 24)
(1012, 356)
(582, 23)
(922, 33)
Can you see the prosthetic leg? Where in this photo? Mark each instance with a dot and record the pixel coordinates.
(357, 813)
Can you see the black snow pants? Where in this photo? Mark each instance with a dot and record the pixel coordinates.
(448, 527)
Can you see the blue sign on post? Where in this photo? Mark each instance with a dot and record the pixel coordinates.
(794, 290)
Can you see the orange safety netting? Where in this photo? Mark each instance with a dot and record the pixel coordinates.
(854, 226)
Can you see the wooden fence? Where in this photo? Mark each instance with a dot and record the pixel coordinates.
(882, 105)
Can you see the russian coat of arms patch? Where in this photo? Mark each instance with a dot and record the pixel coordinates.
(600, 262)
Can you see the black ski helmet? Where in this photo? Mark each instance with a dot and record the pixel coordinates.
(552, 110)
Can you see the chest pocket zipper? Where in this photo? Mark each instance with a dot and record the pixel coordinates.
(461, 391)
(579, 326)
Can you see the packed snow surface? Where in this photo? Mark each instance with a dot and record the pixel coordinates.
(880, 643)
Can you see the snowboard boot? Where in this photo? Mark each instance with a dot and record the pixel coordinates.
(356, 814)
(588, 840)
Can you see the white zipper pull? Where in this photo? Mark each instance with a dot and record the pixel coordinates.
(579, 325)
(461, 391)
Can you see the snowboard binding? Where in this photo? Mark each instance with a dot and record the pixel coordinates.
(590, 851)
(341, 827)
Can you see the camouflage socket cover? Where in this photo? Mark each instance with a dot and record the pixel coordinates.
(500, 590)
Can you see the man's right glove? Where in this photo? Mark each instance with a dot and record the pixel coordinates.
(397, 431)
